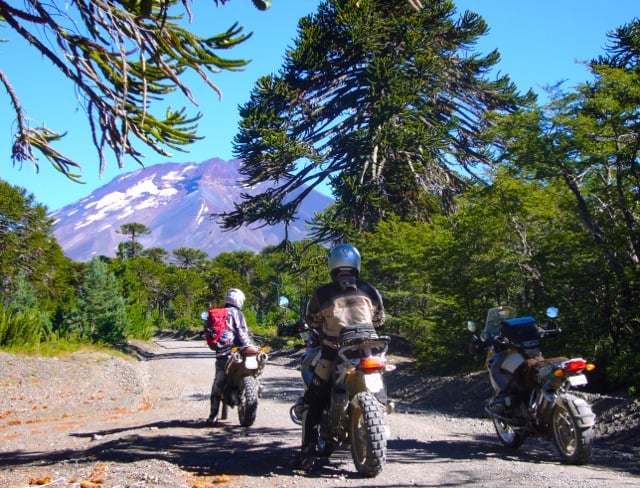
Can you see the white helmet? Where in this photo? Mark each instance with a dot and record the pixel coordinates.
(234, 297)
(344, 257)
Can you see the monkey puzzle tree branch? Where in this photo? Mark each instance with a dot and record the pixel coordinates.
(124, 58)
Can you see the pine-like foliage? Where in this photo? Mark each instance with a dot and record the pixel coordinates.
(124, 58)
(383, 102)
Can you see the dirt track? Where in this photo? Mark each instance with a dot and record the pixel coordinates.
(117, 423)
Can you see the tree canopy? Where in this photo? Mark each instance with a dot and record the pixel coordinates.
(27, 245)
(132, 248)
(383, 102)
(124, 58)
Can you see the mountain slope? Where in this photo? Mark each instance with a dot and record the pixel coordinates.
(175, 201)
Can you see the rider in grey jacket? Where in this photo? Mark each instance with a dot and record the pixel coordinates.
(345, 301)
(236, 334)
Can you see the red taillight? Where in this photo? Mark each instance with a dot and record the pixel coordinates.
(371, 364)
(574, 366)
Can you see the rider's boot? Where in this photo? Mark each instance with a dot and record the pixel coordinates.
(213, 415)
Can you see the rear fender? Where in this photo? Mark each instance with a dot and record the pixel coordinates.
(358, 382)
(581, 411)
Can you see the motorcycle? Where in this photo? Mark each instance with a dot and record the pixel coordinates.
(308, 361)
(355, 417)
(242, 387)
(532, 395)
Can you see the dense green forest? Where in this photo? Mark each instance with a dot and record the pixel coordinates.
(459, 193)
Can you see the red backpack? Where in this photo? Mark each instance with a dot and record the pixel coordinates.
(216, 324)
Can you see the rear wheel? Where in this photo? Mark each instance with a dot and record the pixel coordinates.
(367, 434)
(573, 441)
(248, 406)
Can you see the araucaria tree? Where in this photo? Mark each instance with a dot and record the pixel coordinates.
(124, 58)
(131, 248)
(383, 102)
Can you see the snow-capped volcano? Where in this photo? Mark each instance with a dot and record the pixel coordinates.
(175, 201)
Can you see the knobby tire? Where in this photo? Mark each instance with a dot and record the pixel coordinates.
(573, 442)
(367, 433)
(248, 407)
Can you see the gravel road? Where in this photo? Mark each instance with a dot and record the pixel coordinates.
(92, 420)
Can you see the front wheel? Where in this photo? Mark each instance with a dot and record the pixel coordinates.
(296, 411)
(248, 406)
(573, 429)
(367, 434)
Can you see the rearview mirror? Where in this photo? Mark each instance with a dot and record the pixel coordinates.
(552, 312)
(471, 326)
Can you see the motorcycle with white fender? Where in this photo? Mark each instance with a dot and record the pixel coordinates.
(355, 417)
(242, 387)
(533, 395)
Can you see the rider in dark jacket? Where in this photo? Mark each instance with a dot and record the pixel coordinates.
(345, 301)
(236, 334)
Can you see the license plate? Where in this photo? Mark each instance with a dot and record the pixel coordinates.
(251, 362)
(578, 380)
(373, 382)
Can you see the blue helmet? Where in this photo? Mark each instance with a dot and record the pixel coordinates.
(344, 257)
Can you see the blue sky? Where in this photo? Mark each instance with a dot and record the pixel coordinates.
(540, 43)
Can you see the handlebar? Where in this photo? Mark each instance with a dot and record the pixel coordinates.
(479, 345)
(285, 329)
(551, 329)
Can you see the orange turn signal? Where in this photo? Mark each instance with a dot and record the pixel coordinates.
(372, 363)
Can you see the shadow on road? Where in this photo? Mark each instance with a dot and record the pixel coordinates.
(486, 447)
(234, 450)
(189, 444)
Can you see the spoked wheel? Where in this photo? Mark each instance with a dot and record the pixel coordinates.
(508, 435)
(574, 443)
(248, 406)
(367, 434)
(296, 411)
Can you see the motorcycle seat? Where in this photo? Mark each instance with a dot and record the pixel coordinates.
(526, 376)
(251, 351)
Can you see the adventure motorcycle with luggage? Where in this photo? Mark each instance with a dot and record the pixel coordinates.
(356, 413)
(242, 388)
(533, 395)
